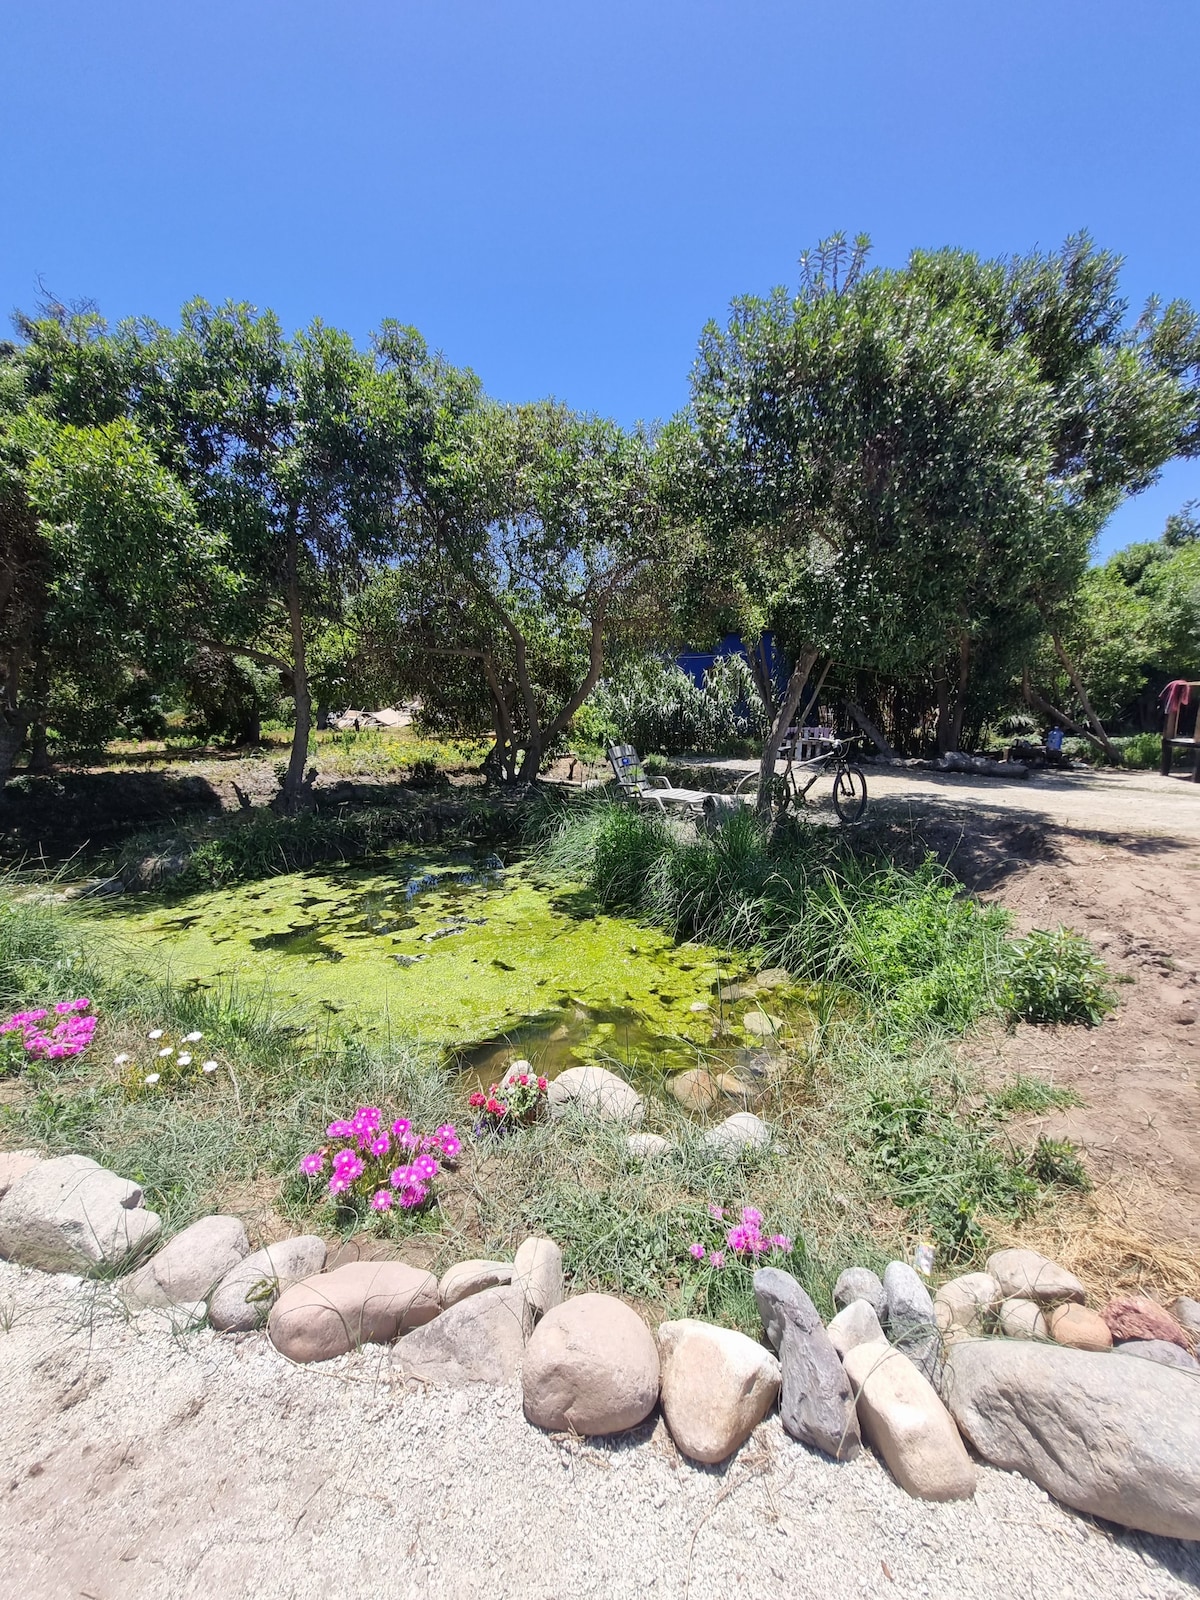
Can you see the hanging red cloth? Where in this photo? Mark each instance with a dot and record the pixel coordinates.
(1177, 693)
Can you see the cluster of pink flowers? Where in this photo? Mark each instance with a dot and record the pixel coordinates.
(744, 1240)
(363, 1164)
(47, 1041)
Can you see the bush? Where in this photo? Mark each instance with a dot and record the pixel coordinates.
(1055, 976)
(1141, 750)
(653, 704)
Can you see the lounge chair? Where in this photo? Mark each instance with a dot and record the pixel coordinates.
(652, 791)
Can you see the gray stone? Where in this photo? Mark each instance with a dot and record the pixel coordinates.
(816, 1404)
(854, 1324)
(189, 1266)
(244, 1297)
(597, 1091)
(903, 1419)
(1187, 1314)
(860, 1283)
(1023, 1319)
(590, 1367)
(473, 1277)
(717, 1386)
(1170, 1355)
(538, 1274)
(743, 1130)
(15, 1164)
(480, 1339)
(910, 1321)
(1113, 1439)
(1026, 1275)
(966, 1302)
(648, 1146)
(69, 1214)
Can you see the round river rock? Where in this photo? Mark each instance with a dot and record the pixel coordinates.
(591, 1367)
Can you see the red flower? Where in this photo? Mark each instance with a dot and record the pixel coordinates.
(542, 1084)
(477, 1099)
(524, 1080)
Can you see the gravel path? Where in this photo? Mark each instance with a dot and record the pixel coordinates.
(142, 1463)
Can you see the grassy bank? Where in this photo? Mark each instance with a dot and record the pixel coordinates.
(915, 952)
(887, 1142)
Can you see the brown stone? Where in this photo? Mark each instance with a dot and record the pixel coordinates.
(366, 1302)
(591, 1367)
(1079, 1328)
(1133, 1316)
(696, 1089)
(903, 1419)
(1026, 1275)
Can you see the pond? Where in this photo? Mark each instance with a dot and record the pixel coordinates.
(484, 958)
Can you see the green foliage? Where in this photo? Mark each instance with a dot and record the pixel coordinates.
(652, 704)
(1056, 1161)
(1026, 1094)
(1056, 976)
(1141, 750)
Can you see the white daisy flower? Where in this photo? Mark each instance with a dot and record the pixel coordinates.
(210, 1066)
(167, 1052)
(155, 1033)
(184, 1059)
(119, 1061)
(152, 1078)
(192, 1038)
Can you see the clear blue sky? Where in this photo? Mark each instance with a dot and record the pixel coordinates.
(559, 193)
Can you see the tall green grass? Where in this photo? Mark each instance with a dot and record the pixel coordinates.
(915, 950)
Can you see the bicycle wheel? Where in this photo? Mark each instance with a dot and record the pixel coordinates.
(849, 793)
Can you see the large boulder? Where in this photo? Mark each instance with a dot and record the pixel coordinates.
(70, 1214)
(860, 1283)
(1133, 1316)
(905, 1422)
(597, 1091)
(816, 1404)
(15, 1164)
(189, 1266)
(717, 1386)
(538, 1274)
(472, 1277)
(911, 1322)
(364, 1302)
(1026, 1275)
(591, 1367)
(480, 1339)
(243, 1299)
(1114, 1439)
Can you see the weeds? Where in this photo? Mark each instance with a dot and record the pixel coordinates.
(1055, 976)
(1024, 1094)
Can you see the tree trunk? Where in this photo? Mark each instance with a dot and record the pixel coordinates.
(39, 749)
(868, 727)
(293, 782)
(782, 720)
(942, 684)
(757, 657)
(1036, 703)
(960, 703)
(322, 718)
(12, 737)
(1106, 744)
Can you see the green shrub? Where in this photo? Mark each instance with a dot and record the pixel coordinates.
(1055, 976)
(653, 704)
(1141, 750)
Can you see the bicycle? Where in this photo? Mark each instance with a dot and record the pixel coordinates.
(849, 783)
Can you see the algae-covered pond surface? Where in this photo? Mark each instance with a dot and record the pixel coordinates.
(456, 949)
(452, 948)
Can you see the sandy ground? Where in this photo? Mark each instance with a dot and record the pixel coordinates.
(138, 1464)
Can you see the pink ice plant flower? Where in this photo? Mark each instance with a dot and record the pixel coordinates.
(381, 1200)
(696, 1251)
(716, 1258)
(311, 1164)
